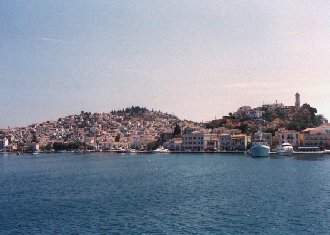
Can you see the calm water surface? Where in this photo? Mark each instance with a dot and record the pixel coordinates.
(167, 194)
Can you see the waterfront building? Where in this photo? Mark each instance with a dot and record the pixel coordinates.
(211, 142)
(317, 137)
(194, 141)
(228, 142)
(288, 136)
(225, 142)
(4, 144)
(174, 144)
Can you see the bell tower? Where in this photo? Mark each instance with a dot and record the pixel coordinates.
(297, 104)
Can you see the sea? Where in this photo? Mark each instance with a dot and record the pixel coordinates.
(108, 193)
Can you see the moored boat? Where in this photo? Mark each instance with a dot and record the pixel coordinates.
(132, 151)
(161, 150)
(260, 150)
(284, 149)
(326, 151)
(260, 147)
(121, 150)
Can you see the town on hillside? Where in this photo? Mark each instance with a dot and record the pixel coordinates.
(142, 129)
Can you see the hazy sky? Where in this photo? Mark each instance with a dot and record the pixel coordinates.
(196, 59)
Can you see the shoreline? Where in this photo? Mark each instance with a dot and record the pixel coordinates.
(171, 152)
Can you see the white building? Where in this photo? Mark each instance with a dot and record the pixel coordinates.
(4, 144)
(195, 141)
(255, 113)
(174, 144)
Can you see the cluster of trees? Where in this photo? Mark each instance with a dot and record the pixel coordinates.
(293, 119)
(304, 117)
(154, 145)
(177, 131)
(60, 146)
(216, 123)
(132, 110)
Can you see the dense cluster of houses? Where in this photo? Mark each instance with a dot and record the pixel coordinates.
(99, 130)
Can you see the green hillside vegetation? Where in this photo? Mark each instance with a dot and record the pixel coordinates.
(291, 118)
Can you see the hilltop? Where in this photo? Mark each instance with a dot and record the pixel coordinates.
(271, 118)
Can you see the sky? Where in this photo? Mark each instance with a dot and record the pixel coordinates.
(196, 59)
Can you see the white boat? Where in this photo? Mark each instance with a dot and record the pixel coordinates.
(161, 150)
(35, 153)
(326, 151)
(121, 150)
(260, 147)
(284, 149)
(132, 151)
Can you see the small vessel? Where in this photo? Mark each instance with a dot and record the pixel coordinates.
(326, 151)
(132, 151)
(161, 149)
(284, 149)
(35, 153)
(260, 147)
(18, 153)
(121, 150)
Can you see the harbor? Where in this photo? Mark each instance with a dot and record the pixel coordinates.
(158, 193)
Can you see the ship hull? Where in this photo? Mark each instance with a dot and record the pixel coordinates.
(260, 150)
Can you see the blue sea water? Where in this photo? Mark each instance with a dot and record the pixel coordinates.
(164, 194)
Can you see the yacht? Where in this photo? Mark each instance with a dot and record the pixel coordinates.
(121, 150)
(260, 147)
(132, 151)
(284, 149)
(161, 150)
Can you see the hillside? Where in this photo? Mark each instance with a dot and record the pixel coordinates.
(118, 127)
(292, 118)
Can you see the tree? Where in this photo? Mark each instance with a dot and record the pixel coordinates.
(154, 145)
(244, 128)
(270, 130)
(177, 130)
(117, 139)
(34, 139)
